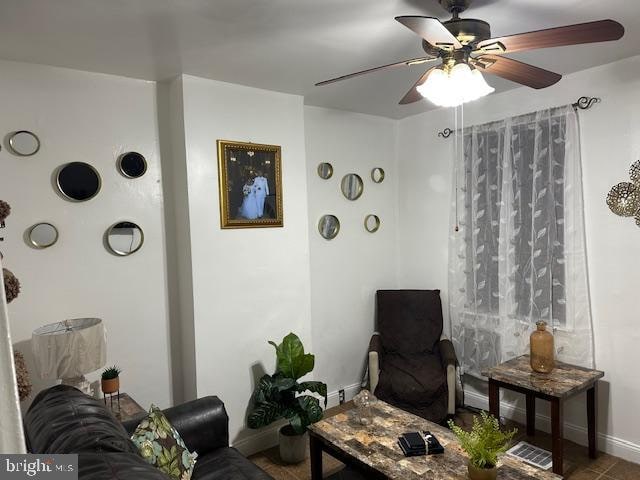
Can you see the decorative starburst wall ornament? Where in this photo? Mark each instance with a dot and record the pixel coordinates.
(624, 198)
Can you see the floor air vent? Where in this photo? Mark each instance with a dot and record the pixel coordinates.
(532, 455)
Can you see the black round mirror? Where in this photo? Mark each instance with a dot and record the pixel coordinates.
(78, 181)
(132, 164)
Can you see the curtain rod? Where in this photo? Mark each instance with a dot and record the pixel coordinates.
(583, 103)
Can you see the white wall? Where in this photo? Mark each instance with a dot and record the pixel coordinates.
(610, 134)
(249, 285)
(346, 271)
(91, 118)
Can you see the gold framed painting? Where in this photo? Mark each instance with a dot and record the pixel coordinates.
(250, 184)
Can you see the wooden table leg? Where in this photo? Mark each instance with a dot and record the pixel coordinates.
(591, 420)
(315, 457)
(531, 414)
(494, 398)
(556, 434)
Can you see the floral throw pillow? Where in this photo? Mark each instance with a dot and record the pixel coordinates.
(161, 445)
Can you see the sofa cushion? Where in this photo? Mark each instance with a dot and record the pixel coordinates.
(62, 419)
(160, 444)
(116, 466)
(227, 464)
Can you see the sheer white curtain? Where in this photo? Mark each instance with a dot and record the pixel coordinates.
(518, 255)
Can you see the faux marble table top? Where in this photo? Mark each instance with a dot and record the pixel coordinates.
(562, 381)
(376, 445)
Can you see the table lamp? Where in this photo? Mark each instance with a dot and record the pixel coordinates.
(68, 350)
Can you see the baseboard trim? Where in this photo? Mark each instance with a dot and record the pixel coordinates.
(268, 437)
(576, 433)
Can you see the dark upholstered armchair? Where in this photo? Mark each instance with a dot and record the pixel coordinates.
(410, 366)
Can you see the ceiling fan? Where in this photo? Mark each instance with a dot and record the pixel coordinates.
(468, 42)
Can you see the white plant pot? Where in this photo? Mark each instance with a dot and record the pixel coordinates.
(293, 447)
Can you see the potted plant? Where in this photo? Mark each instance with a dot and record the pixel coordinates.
(110, 382)
(281, 396)
(484, 443)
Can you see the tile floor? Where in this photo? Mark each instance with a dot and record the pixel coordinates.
(578, 466)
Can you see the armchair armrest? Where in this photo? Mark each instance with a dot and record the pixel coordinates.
(447, 353)
(203, 424)
(375, 351)
(449, 363)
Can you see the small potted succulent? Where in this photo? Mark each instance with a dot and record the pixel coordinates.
(110, 382)
(281, 396)
(484, 443)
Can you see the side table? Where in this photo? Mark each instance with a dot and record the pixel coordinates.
(563, 382)
(126, 408)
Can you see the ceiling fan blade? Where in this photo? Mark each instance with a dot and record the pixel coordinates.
(590, 32)
(516, 71)
(413, 95)
(432, 30)
(413, 61)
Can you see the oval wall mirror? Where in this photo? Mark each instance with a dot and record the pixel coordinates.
(43, 235)
(352, 186)
(78, 181)
(132, 164)
(24, 143)
(325, 170)
(329, 226)
(377, 175)
(124, 238)
(371, 223)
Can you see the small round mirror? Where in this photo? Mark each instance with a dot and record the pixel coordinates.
(371, 223)
(352, 186)
(124, 238)
(377, 175)
(24, 143)
(43, 235)
(325, 170)
(329, 226)
(78, 181)
(132, 164)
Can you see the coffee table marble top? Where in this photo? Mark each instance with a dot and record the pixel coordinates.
(564, 381)
(376, 445)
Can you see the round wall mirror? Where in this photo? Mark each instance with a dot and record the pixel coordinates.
(124, 238)
(132, 164)
(43, 235)
(24, 143)
(352, 186)
(325, 170)
(377, 175)
(371, 223)
(329, 226)
(78, 181)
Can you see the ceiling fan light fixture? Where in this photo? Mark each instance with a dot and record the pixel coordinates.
(455, 87)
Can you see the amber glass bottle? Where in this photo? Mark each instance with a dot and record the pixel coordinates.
(542, 351)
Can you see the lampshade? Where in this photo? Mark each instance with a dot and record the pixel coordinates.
(455, 87)
(69, 349)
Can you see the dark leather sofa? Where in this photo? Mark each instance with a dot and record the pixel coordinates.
(62, 419)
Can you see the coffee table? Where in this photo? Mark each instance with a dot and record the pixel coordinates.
(373, 448)
(563, 382)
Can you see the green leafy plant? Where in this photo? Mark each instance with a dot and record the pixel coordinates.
(281, 395)
(485, 442)
(111, 372)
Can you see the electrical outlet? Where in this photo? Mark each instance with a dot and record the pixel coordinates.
(341, 395)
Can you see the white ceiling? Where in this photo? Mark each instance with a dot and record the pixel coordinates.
(286, 45)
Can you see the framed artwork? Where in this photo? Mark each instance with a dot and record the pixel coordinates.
(250, 183)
